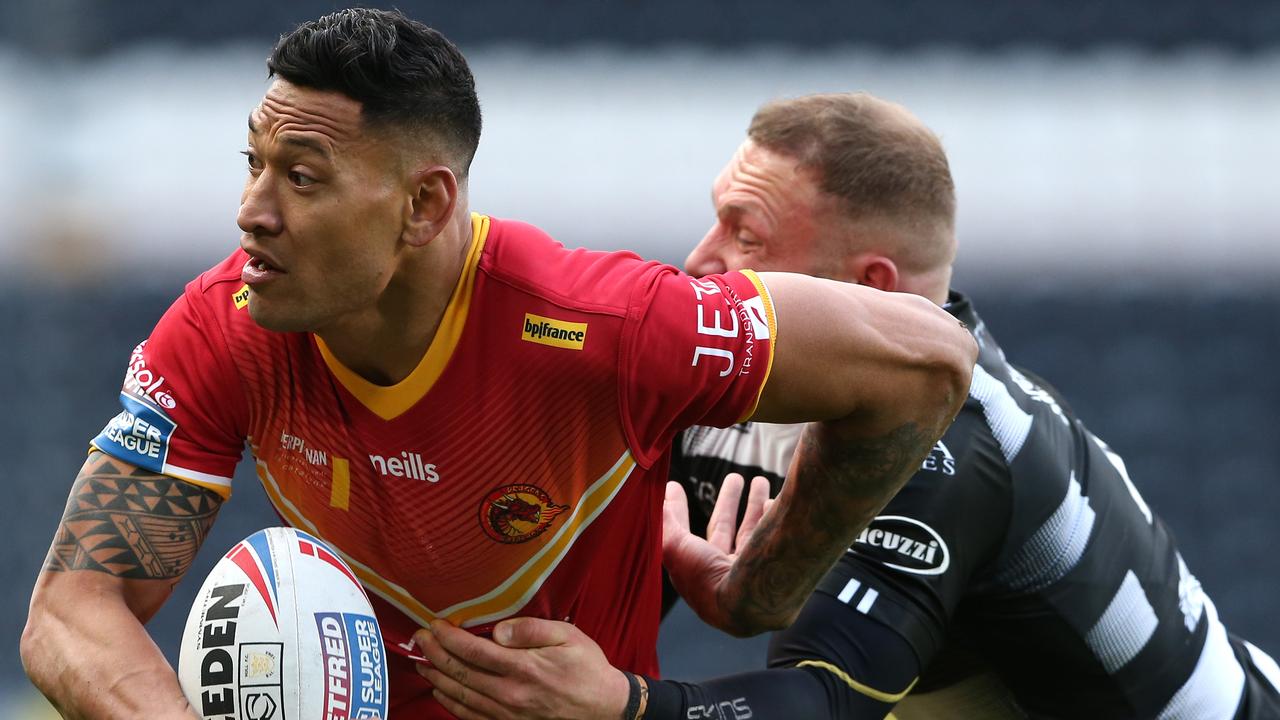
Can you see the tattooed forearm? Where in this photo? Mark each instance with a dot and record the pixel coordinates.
(132, 523)
(836, 487)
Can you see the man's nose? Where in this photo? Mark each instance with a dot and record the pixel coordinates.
(259, 210)
(706, 257)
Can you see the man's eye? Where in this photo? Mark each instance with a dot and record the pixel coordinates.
(300, 180)
(746, 242)
(254, 162)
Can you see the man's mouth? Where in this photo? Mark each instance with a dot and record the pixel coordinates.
(258, 270)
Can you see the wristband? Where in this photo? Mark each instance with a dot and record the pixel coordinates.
(665, 700)
(644, 696)
(634, 711)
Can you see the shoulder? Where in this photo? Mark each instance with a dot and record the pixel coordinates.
(219, 285)
(211, 313)
(964, 485)
(968, 452)
(1029, 421)
(1040, 442)
(530, 260)
(954, 514)
(220, 297)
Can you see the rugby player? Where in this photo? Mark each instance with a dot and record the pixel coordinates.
(476, 417)
(1018, 574)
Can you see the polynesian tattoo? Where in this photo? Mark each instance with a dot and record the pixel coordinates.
(845, 484)
(130, 522)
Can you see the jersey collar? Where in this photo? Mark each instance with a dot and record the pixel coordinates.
(390, 401)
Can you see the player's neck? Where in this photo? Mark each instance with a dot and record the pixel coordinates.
(386, 342)
(934, 285)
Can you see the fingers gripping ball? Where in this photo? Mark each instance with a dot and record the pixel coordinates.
(281, 629)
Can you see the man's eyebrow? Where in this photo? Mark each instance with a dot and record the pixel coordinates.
(307, 143)
(302, 142)
(731, 209)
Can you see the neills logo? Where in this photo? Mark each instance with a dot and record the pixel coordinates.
(556, 333)
(905, 544)
(408, 465)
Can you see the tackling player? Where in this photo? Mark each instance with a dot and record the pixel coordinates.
(1018, 574)
(476, 417)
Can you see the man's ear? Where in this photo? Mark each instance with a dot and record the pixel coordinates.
(430, 207)
(875, 271)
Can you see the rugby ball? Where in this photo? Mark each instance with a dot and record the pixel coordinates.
(282, 630)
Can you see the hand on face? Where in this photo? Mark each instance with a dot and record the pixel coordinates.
(700, 567)
(532, 669)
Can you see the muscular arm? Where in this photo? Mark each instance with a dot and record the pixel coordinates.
(872, 360)
(834, 664)
(126, 537)
(885, 373)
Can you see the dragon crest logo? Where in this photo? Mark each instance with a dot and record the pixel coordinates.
(518, 513)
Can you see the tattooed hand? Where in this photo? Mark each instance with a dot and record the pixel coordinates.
(835, 488)
(699, 567)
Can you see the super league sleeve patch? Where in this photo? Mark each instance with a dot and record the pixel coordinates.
(139, 435)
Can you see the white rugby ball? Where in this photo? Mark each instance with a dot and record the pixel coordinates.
(282, 630)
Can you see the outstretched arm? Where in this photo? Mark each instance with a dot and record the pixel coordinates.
(127, 536)
(884, 374)
(849, 666)
(539, 669)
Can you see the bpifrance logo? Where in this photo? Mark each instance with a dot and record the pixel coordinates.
(518, 513)
(241, 297)
(355, 683)
(556, 333)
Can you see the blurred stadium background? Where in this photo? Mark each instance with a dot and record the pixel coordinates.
(1116, 168)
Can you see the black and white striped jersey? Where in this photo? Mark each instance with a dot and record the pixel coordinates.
(1019, 557)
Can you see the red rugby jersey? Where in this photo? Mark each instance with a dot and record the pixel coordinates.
(518, 470)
